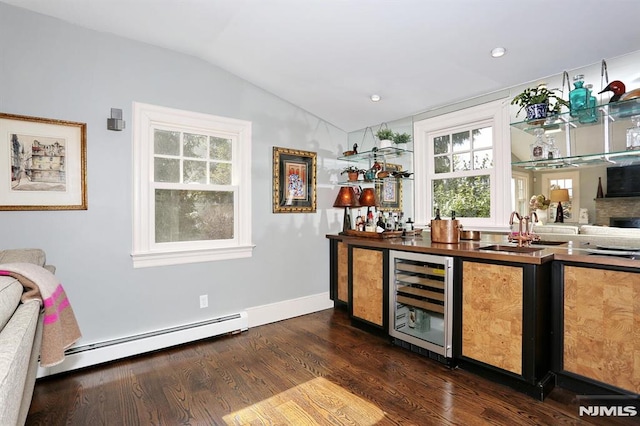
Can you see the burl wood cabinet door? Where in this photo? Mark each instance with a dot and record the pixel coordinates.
(492, 315)
(367, 285)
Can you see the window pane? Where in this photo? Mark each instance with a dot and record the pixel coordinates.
(166, 142)
(166, 170)
(461, 142)
(220, 149)
(195, 172)
(442, 165)
(195, 146)
(462, 162)
(468, 196)
(220, 173)
(483, 138)
(483, 159)
(193, 215)
(441, 144)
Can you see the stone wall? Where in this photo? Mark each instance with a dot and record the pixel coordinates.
(607, 208)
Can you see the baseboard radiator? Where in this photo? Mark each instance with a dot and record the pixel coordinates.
(111, 350)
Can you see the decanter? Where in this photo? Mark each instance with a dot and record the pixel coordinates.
(633, 134)
(552, 149)
(538, 148)
(578, 97)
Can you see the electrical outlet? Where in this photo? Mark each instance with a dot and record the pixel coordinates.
(204, 301)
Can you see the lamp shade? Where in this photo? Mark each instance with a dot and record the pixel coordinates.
(559, 195)
(346, 198)
(368, 198)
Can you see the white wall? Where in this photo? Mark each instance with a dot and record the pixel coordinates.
(55, 70)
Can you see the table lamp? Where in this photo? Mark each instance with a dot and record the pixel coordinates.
(558, 196)
(346, 198)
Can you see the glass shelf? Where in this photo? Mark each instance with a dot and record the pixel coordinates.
(620, 158)
(366, 182)
(613, 111)
(376, 153)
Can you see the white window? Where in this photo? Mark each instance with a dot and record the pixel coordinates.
(563, 180)
(192, 187)
(463, 165)
(520, 192)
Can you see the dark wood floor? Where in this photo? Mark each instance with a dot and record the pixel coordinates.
(314, 369)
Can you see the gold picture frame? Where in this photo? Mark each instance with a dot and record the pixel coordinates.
(294, 181)
(389, 191)
(46, 164)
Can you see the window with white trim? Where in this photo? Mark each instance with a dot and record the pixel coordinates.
(192, 187)
(563, 180)
(520, 192)
(462, 162)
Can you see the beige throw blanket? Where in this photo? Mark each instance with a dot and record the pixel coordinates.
(60, 329)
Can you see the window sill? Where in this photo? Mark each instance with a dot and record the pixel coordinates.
(166, 258)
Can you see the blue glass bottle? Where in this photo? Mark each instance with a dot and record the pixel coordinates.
(578, 97)
(590, 114)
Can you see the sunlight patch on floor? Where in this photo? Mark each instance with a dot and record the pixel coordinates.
(315, 402)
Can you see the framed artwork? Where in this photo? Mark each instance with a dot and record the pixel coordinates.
(389, 191)
(44, 166)
(294, 181)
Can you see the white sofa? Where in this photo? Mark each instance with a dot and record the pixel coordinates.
(592, 234)
(20, 340)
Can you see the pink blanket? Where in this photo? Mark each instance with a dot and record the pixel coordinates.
(60, 328)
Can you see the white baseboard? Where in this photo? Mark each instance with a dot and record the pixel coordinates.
(98, 353)
(265, 314)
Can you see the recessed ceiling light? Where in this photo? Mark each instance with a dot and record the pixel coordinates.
(375, 98)
(498, 51)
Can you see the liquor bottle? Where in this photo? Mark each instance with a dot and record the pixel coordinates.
(438, 214)
(401, 225)
(380, 223)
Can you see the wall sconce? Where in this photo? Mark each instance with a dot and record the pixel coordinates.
(558, 196)
(346, 198)
(115, 122)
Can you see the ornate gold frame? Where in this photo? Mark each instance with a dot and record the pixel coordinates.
(294, 181)
(46, 165)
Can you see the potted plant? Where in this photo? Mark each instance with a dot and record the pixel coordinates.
(538, 102)
(385, 136)
(401, 138)
(352, 172)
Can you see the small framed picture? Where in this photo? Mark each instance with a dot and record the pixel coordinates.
(389, 191)
(294, 181)
(45, 164)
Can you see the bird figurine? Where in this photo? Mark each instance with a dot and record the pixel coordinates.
(619, 92)
(618, 89)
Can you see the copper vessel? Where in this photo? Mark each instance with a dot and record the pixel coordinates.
(445, 231)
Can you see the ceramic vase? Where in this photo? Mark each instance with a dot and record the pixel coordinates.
(542, 216)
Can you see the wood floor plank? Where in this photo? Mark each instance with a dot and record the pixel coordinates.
(311, 370)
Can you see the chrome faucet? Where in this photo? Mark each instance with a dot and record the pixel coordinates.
(523, 237)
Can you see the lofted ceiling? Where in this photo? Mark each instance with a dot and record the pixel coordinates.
(330, 56)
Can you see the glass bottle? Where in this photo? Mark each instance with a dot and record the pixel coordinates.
(633, 134)
(538, 148)
(578, 97)
(552, 149)
(589, 115)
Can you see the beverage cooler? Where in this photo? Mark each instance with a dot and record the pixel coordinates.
(421, 302)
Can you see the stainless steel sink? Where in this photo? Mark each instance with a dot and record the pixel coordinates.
(512, 249)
